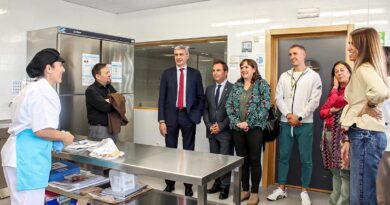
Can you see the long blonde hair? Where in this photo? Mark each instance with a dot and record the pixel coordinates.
(367, 42)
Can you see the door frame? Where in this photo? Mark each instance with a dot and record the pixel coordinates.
(271, 73)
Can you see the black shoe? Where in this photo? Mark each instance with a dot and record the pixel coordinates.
(224, 193)
(188, 191)
(169, 188)
(215, 188)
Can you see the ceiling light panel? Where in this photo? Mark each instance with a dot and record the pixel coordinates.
(127, 6)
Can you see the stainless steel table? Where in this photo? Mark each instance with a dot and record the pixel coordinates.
(192, 167)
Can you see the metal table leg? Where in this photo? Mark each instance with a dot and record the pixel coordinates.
(202, 194)
(237, 186)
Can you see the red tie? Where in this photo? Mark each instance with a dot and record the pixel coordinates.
(181, 90)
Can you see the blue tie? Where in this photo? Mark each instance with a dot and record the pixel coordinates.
(217, 96)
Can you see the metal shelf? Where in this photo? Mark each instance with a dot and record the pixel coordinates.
(193, 167)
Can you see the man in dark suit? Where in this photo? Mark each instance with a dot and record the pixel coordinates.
(180, 106)
(217, 123)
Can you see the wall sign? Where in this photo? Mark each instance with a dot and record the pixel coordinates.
(88, 61)
(246, 46)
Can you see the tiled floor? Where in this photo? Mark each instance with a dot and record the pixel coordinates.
(5, 201)
(293, 195)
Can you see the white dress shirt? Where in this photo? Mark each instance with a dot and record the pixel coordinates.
(386, 116)
(220, 90)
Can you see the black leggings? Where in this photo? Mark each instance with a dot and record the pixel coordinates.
(248, 145)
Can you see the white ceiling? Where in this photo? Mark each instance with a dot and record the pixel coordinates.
(126, 6)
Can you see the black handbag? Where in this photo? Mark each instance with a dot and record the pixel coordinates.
(272, 128)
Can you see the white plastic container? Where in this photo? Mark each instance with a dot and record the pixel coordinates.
(121, 181)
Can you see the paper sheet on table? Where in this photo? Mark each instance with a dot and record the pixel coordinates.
(81, 145)
(106, 149)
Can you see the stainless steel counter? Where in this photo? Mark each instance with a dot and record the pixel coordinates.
(197, 168)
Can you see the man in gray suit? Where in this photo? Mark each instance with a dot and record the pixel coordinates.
(217, 122)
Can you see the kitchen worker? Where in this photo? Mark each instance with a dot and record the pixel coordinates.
(26, 156)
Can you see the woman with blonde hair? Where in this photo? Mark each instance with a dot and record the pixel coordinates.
(362, 117)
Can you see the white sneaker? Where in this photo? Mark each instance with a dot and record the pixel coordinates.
(277, 194)
(305, 198)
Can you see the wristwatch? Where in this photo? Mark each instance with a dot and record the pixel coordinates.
(300, 118)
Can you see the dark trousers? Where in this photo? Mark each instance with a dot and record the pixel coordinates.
(248, 145)
(222, 144)
(188, 130)
(99, 132)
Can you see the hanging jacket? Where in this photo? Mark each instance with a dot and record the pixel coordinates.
(117, 118)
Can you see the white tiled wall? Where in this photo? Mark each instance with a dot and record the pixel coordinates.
(196, 20)
(19, 16)
(186, 21)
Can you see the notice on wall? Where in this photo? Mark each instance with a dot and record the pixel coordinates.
(234, 66)
(260, 64)
(235, 60)
(88, 61)
(116, 72)
(246, 46)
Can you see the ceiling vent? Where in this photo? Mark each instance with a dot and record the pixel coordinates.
(308, 13)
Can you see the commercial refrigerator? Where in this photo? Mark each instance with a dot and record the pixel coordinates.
(81, 50)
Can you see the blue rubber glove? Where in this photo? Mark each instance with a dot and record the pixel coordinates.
(58, 146)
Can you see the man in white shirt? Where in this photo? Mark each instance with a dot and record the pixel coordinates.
(298, 94)
(383, 179)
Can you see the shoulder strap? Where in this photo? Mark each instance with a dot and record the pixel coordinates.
(260, 83)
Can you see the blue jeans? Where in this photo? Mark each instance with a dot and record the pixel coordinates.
(366, 151)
